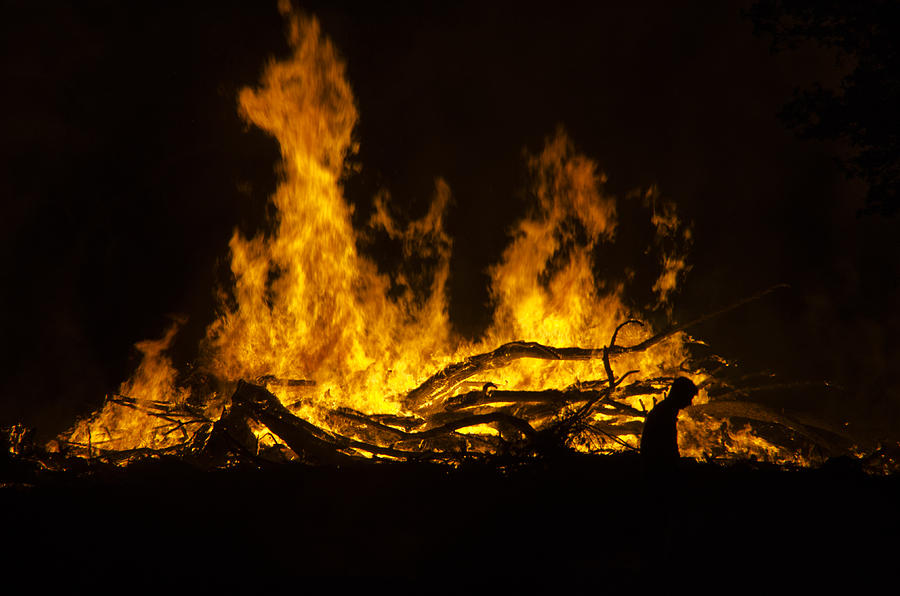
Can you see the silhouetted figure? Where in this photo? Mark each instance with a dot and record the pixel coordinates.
(665, 526)
(659, 441)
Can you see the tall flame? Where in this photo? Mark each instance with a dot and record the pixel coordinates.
(307, 304)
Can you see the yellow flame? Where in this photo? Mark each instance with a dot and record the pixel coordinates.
(120, 424)
(307, 304)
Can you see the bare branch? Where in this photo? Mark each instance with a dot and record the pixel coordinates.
(651, 341)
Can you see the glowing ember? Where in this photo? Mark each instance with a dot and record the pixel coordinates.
(312, 320)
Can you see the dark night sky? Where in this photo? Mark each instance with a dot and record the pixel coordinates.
(125, 169)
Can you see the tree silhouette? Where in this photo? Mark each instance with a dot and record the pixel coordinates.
(863, 109)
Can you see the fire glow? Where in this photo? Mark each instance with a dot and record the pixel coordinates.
(370, 361)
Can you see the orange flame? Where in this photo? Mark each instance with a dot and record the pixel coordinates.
(308, 305)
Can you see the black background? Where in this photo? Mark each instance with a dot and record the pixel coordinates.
(125, 169)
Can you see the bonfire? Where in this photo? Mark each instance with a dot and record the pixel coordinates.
(320, 356)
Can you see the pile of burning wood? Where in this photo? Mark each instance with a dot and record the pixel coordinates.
(450, 418)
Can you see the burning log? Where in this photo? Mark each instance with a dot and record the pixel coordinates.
(451, 376)
(302, 437)
(320, 446)
(439, 435)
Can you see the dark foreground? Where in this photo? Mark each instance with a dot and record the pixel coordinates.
(595, 520)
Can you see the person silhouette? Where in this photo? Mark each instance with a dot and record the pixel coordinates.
(659, 439)
(665, 524)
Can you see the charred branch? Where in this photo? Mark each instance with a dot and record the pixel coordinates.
(303, 438)
(652, 341)
(478, 398)
(406, 423)
(451, 376)
(279, 382)
(316, 444)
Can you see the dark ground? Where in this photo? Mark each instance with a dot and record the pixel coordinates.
(576, 519)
